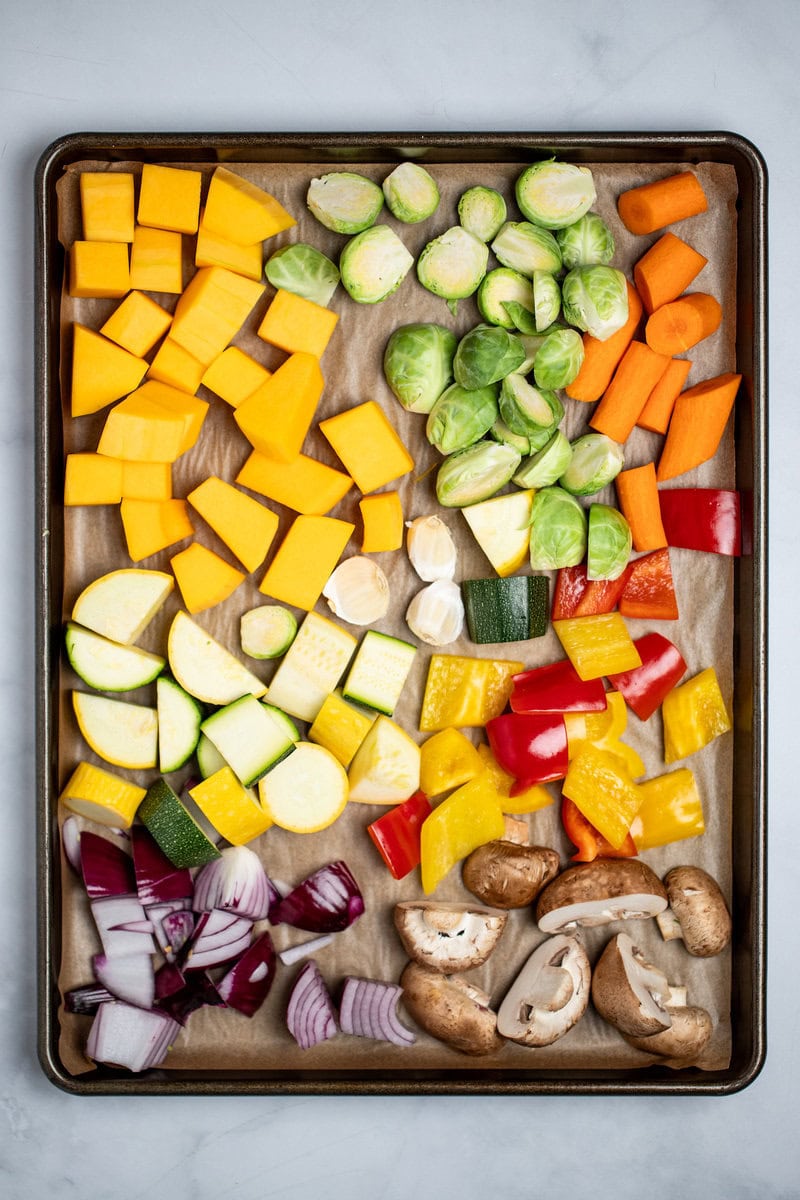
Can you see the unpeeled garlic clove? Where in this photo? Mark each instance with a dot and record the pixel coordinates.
(431, 548)
(358, 591)
(436, 614)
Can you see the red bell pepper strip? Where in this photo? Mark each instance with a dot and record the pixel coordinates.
(396, 834)
(708, 519)
(650, 591)
(530, 746)
(588, 841)
(645, 687)
(556, 688)
(574, 595)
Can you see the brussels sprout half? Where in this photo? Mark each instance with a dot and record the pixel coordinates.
(482, 211)
(547, 465)
(546, 299)
(609, 543)
(558, 530)
(588, 242)
(555, 194)
(529, 410)
(374, 264)
(559, 359)
(596, 460)
(344, 201)
(526, 248)
(501, 293)
(475, 474)
(411, 193)
(485, 355)
(460, 417)
(453, 265)
(595, 299)
(418, 364)
(501, 433)
(304, 270)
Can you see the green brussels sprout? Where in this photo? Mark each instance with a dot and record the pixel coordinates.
(526, 248)
(475, 474)
(411, 193)
(453, 265)
(547, 465)
(485, 355)
(460, 417)
(344, 201)
(529, 410)
(546, 299)
(558, 530)
(524, 320)
(501, 433)
(302, 269)
(555, 194)
(374, 264)
(482, 210)
(609, 543)
(502, 290)
(586, 243)
(418, 364)
(596, 460)
(595, 299)
(531, 342)
(559, 359)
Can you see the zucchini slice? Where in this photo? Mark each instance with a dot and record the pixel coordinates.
(379, 671)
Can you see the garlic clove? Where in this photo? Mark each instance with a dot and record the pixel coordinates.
(431, 548)
(436, 614)
(358, 591)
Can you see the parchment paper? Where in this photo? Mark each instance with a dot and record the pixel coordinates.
(224, 1040)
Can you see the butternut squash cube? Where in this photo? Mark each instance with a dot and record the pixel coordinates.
(383, 522)
(305, 559)
(365, 440)
(214, 250)
(191, 408)
(203, 577)
(278, 415)
(234, 375)
(239, 210)
(146, 480)
(101, 371)
(141, 430)
(98, 269)
(107, 206)
(304, 484)
(156, 260)
(294, 323)
(152, 525)
(244, 525)
(137, 323)
(169, 198)
(175, 366)
(213, 307)
(92, 479)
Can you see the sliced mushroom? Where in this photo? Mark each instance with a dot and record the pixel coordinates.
(697, 912)
(629, 992)
(595, 893)
(447, 937)
(550, 994)
(450, 1009)
(685, 1039)
(507, 875)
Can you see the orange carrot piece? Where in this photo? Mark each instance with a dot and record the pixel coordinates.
(654, 205)
(698, 423)
(665, 271)
(639, 370)
(637, 492)
(657, 411)
(681, 324)
(600, 359)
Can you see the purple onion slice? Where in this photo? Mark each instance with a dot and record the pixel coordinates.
(327, 901)
(219, 937)
(157, 880)
(369, 1009)
(180, 1000)
(107, 869)
(310, 1015)
(125, 1036)
(130, 978)
(247, 984)
(236, 882)
(121, 923)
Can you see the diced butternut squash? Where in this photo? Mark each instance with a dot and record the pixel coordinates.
(140, 429)
(203, 577)
(365, 441)
(146, 480)
(244, 525)
(191, 408)
(211, 309)
(304, 484)
(294, 323)
(101, 371)
(107, 206)
(239, 210)
(176, 366)
(156, 260)
(214, 250)
(382, 515)
(152, 525)
(305, 559)
(137, 323)
(169, 198)
(278, 415)
(234, 375)
(92, 479)
(98, 269)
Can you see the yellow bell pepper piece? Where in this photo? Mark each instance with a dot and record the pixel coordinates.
(461, 691)
(448, 759)
(603, 730)
(671, 810)
(468, 818)
(598, 645)
(531, 800)
(694, 714)
(600, 785)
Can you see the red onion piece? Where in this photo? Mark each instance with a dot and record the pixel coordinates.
(247, 984)
(181, 999)
(157, 879)
(107, 869)
(157, 912)
(111, 914)
(125, 1036)
(178, 927)
(369, 1009)
(86, 1000)
(169, 979)
(310, 1015)
(218, 938)
(131, 978)
(293, 954)
(327, 901)
(236, 882)
(71, 841)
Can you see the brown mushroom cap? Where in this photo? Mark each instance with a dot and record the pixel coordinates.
(507, 875)
(629, 992)
(685, 1039)
(447, 937)
(696, 900)
(450, 1009)
(608, 889)
(549, 995)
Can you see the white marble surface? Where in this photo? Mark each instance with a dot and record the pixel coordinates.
(68, 65)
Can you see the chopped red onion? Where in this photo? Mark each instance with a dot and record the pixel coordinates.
(157, 879)
(169, 979)
(293, 954)
(180, 995)
(310, 1015)
(112, 914)
(157, 912)
(178, 927)
(130, 978)
(236, 882)
(218, 938)
(84, 1001)
(71, 841)
(107, 869)
(368, 1009)
(247, 984)
(125, 1036)
(327, 901)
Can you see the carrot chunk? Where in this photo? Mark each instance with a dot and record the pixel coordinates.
(634, 379)
(676, 327)
(665, 271)
(697, 425)
(637, 492)
(657, 411)
(655, 205)
(600, 359)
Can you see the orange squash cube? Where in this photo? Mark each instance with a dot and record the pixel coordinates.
(92, 479)
(296, 324)
(277, 416)
(191, 408)
(98, 269)
(156, 260)
(137, 323)
(242, 212)
(141, 430)
(234, 375)
(366, 442)
(211, 309)
(175, 366)
(101, 371)
(152, 525)
(107, 206)
(304, 484)
(214, 250)
(203, 577)
(305, 559)
(382, 515)
(244, 525)
(169, 198)
(146, 480)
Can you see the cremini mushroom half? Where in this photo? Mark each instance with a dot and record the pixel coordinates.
(684, 1041)
(447, 937)
(629, 992)
(549, 995)
(507, 875)
(697, 912)
(595, 893)
(450, 1009)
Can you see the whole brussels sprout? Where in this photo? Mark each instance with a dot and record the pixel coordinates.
(595, 299)
(475, 473)
(418, 364)
(609, 543)
(586, 243)
(482, 210)
(596, 460)
(374, 264)
(485, 355)
(526, 248)
(559, 359)
(344, 201)
(460, 417)
(558, 530)
(411, 193)
(304, 270)
(555, 194)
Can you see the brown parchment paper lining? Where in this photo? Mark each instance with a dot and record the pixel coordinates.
(219, 1040)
